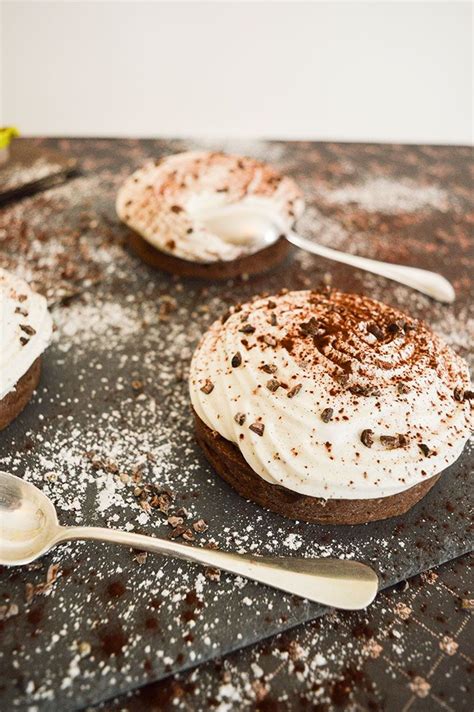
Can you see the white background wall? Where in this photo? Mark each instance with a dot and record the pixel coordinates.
(349, 71)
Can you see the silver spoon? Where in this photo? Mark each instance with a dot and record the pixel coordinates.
(241, 224)
(29, 528)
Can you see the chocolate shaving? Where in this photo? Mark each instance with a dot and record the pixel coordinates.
(236, 360)
(367, 437)
(273, 385)
(327, 414)
(427, 452)
(390, 442)
(375, 331)
(208, 386)
(247, 329)
(461, 395)
(311, 327)
(294, 391)
(23, 340)
(364, 390)
(396, 326)
(257, 428)
(458, 394)
(269, 368)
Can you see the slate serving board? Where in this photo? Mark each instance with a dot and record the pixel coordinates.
(111, 415)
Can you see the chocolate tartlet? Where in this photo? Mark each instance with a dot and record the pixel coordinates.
(329, 407)
(180, 211)
(25, 334)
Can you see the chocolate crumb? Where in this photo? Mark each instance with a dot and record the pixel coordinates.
(269, 340)
(200, 526)
(257, 428)
(175, 521)
(403, 388)
(367, 437)
(240, 418)
(273, 385)
(327, 414)
(177, 531)
(23, 340)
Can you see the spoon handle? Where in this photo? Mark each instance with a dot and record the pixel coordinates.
(332, 582)
(430, 283)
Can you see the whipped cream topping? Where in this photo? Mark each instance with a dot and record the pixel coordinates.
(332, 395)
(25, 331)
(185, 205)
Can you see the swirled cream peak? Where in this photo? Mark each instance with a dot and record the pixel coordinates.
(188, 205)
(25, 332)
(332, 395)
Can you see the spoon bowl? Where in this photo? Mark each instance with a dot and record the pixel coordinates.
(28, 521)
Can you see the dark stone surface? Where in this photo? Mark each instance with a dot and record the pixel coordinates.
(112, 408)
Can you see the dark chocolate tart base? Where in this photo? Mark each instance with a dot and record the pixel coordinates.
(228, 462)
(261, 261)
(14, 402)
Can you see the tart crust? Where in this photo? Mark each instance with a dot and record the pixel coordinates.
(261, 261)
(13, 403)
(229, 463)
